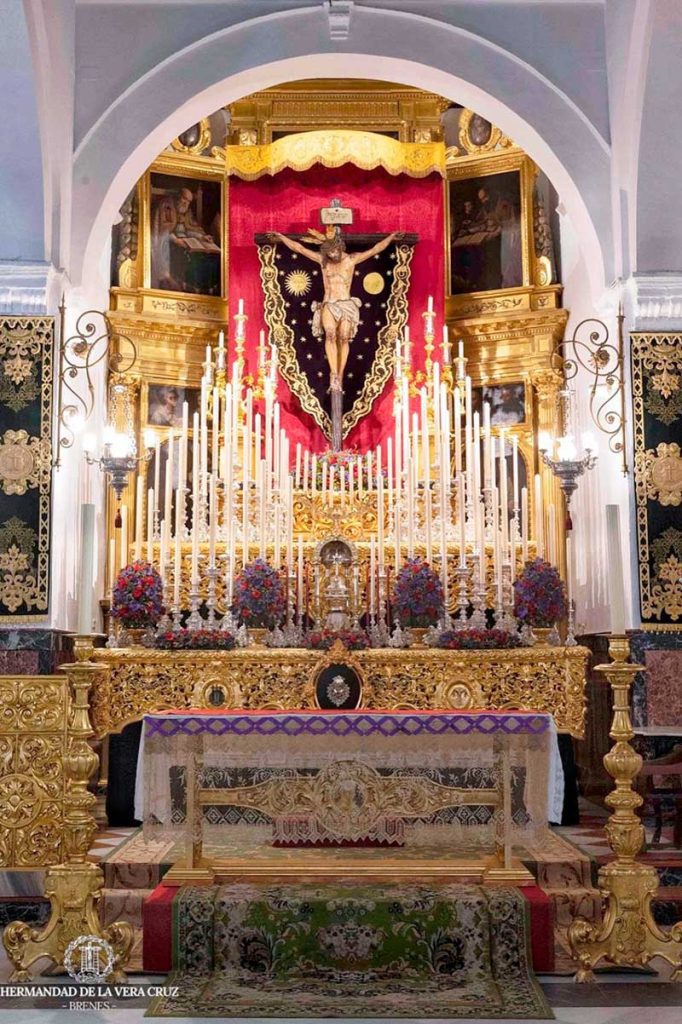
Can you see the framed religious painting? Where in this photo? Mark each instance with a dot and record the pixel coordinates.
(162, 404)
(507, 403)
(488, 224)
(184, 234)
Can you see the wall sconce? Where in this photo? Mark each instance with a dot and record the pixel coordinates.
(591, 350)
(119, 457)
(93, 342)
(567, 467)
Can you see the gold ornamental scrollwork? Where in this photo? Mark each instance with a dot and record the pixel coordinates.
(662, 471)
(24, 461)
(550, 679)
(384, 359)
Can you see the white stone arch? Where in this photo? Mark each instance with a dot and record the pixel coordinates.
(388, 45)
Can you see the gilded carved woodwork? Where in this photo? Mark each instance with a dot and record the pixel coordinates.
(46, 761)
(349, 798)
(628, 936)
(135, 681)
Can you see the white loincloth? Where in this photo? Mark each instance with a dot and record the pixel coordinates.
(340, 309)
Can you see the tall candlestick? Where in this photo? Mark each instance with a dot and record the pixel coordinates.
(157, 470)
(86, 580)
(313, 475)
(616, 584)
(306, 469)
(458, 433)
(298, 465)
(515, 472)
(262, 506)
(124, 536)
(462, 521)
(551, 532)
(426, 459)
(150, 525)
(486, 445)
(539, 517)
(372, 577)
(504, 499)
(212, 522)
(139, 493)
(299, 579)
(524, 524)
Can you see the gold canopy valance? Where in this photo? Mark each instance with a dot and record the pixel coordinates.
(333, 149)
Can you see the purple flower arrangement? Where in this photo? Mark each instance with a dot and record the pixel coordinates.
(138, 596)
(418, 594)
(259, 595)
(539, 595)
(477, 640)
(352, 639)
(196, 640)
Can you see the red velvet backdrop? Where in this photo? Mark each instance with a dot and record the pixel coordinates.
(290, 202)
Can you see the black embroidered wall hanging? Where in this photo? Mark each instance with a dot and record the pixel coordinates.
(657, 400)
(25, 466)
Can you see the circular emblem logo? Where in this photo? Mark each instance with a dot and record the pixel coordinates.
(16, 462)
(89, 958)
(373, 283)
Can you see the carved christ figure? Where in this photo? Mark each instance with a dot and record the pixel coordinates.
(336, 318)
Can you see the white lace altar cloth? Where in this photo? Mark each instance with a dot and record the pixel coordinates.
(437, 776)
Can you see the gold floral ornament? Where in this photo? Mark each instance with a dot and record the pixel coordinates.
(18, 577)
(24, 461)
(666, 590)
(663, 474)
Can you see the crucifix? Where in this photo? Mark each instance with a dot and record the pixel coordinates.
(336, 317)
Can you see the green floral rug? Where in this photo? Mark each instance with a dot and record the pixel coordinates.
(455, 951)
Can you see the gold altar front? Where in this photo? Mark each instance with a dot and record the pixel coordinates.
(133, 681)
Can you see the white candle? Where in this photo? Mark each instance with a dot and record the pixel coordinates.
(241, 307)
(215, 431)
(429, 307)
(168, 490)
(446, 345)
(262, 490)
(486, 445)
(409, 481)
(462, 521)
(332, 480)
(87, 565)
(203, 438)
(298, 465)
(313, 474)
(212, 522)
(426, 461)
(299, 578)
(177, 573)
(515, 472)
(551, 531)
(163, 548)
(372, 574)
(477, 456)
(306, 470)
(150, 525)
(124, 536)
(157, 470)
(524, 524)
(616, 582)
(458, 433)
(504, 496)
(369, 471)
(112, 563)
(539, 517)
(138, 518)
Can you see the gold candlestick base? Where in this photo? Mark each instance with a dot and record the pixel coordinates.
(628, 935)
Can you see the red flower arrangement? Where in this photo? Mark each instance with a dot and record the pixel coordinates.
(196, 640)
(352, 639)
(539, 595)
(346, 466)
(138, 596)
(259, 595)
(477, 640)
(418, 594)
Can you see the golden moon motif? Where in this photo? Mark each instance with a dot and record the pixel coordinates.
(373, 283)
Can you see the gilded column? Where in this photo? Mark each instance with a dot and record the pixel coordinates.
(547, 384)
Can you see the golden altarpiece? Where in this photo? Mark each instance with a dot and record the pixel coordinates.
(509, 331)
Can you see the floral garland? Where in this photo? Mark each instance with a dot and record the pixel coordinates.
(259, 595)
(348, 464)
(418, 594)
(196, 640)
(138, 596)
(323, 639)
(539, 595)
(477, 640)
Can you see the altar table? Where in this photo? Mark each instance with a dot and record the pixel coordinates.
(370, 793)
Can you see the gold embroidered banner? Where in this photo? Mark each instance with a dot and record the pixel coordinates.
(657, 400)
(25, 466)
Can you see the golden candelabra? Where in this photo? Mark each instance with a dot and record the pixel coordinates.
(75, 886)
(628, 935)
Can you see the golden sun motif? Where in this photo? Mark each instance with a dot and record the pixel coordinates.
(297, 282)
